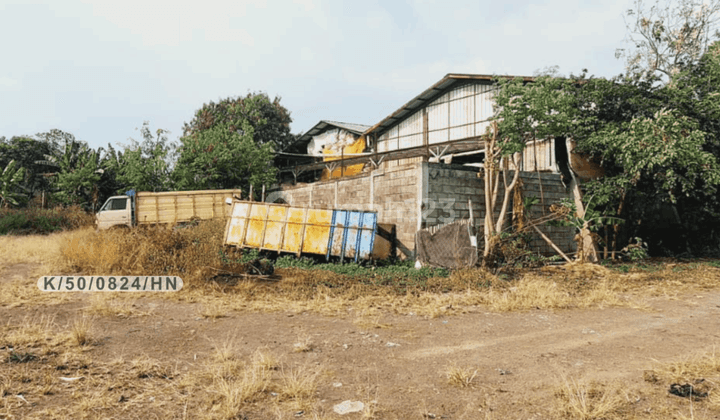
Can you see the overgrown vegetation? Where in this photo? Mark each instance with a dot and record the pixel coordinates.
(37, 220)
(218, 277)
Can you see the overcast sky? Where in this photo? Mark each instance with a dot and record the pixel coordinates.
(98, 69)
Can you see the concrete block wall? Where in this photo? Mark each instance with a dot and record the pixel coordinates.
(552, 192)
(451, 186)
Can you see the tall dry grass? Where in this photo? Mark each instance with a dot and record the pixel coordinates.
(191, 253)
(196, 255)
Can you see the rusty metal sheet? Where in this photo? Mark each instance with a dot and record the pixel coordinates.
(256, 226)
(317, 230)
(273, 235)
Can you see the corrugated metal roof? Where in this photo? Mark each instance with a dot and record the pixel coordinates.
(324, 125)
(429, 95)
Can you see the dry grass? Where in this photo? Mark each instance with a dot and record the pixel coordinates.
(213, 309)
(460, 377)
(111, 305)
(224, 387)
(146, 367)
(194, 254)
(32, 331)
(701, 370)
(265, 360)
(81, 331)
(303, 344)
(33, 249)
(369, 319)
(298, 384)
(581, 401)
(227, 350)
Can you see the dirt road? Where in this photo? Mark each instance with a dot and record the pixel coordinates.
(400, 361)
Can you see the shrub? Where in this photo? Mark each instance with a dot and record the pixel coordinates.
(36, 220)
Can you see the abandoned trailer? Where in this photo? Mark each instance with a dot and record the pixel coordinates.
(421, 166)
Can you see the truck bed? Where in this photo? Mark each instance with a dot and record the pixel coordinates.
(182, 206)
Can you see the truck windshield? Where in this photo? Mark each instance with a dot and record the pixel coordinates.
(115, 204)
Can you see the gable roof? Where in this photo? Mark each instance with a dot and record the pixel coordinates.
(323, 126)
(431, 94)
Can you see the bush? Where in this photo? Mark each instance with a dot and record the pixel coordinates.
(35, 220)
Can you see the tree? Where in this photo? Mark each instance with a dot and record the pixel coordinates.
(146, 166)
(26, 152)
(10, 180)
(495, 150)
(219, 158)
(667, 38)
(543, 109)
(78, 173)
(657, 144)
(269, 120)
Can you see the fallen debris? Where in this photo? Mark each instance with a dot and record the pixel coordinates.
(348, 406)
(686, 391)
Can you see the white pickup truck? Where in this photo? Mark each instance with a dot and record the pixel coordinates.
(149, 208)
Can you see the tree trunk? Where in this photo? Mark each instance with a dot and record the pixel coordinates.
(587, 249)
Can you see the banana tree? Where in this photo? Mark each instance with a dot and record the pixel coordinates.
(10, 183)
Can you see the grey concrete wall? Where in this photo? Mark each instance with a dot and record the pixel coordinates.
(451, 186)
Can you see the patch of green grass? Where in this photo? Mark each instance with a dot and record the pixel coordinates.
(18, 357)
(685, 267)
(715, 264)
(401, 275)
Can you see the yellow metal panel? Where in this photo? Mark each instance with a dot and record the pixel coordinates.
(294, 231)
(275, 227)
(317, 231)
(237, 224)
(256, 227)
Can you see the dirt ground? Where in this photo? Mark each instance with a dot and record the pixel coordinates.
(396, 365)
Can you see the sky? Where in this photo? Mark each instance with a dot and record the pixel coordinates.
(99, 69)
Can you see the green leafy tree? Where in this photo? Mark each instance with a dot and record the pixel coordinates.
(219, 158)
(145, 166)
(269, 120)
(543, 109)
(10, 180)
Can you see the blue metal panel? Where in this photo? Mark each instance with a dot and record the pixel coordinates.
(352, 234)
(367, 235)
(350, 241)
(336, 239)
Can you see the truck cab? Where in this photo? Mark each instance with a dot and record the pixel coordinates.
(117, 211)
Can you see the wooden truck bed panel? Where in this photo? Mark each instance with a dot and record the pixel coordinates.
(182, 206)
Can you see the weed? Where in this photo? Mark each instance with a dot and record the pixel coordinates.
(585, 402)
(213, 309)
(460, 377)
(303, 345)
(226, 351)
(636, 251)
(298, 384)
(715, 264)
(81, 331)
(19, 357)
